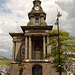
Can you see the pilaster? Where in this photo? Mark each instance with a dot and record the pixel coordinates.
(30, 48)
(48, 47)
(17, 53)
(25, 47)
(14, 50)
(44, 49)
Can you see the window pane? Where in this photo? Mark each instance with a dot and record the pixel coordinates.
(22, 52)
(36, 21)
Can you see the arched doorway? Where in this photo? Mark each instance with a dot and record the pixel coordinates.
(74, 74)
(37, 70)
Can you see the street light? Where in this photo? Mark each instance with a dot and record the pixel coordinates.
(57, 23)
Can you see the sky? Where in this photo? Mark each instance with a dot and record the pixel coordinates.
(14, 13)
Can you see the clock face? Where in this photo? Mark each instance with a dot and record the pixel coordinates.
(36, 8)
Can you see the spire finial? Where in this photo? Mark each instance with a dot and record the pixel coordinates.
(36, 0)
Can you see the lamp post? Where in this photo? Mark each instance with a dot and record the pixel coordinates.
(57, 23)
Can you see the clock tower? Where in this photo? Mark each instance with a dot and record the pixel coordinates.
(29, 46)
(37, 16)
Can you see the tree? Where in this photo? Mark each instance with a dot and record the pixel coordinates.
(67, 47)
(6, 62)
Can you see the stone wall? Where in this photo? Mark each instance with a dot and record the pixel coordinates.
(14, 69)
(46, 69)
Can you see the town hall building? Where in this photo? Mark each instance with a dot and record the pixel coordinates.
(29, 47)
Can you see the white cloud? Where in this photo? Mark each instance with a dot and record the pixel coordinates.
(1, 31)
(4, 50)
(51, 8)
(63, 0)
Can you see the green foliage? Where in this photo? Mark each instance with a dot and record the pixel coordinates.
(56, 63)
(22, 67)
(5, 62)
(8, 63)
(47, 56)
(66, 44)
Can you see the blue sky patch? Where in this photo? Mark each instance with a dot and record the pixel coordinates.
(2, 2)
(2, 7)
(5, 10)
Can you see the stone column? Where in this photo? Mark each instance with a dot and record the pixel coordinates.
(44, 47)
(17, 53)
(49, 46)
(14, 50)
(30, 48)
(48, 50)
(25, 47)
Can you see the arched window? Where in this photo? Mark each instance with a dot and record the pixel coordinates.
(36, 21)
(22, 52)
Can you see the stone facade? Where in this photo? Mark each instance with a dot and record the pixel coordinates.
(46, 68)
(15, 69)
(29, 47)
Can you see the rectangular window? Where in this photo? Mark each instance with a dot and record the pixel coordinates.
(36, 21)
